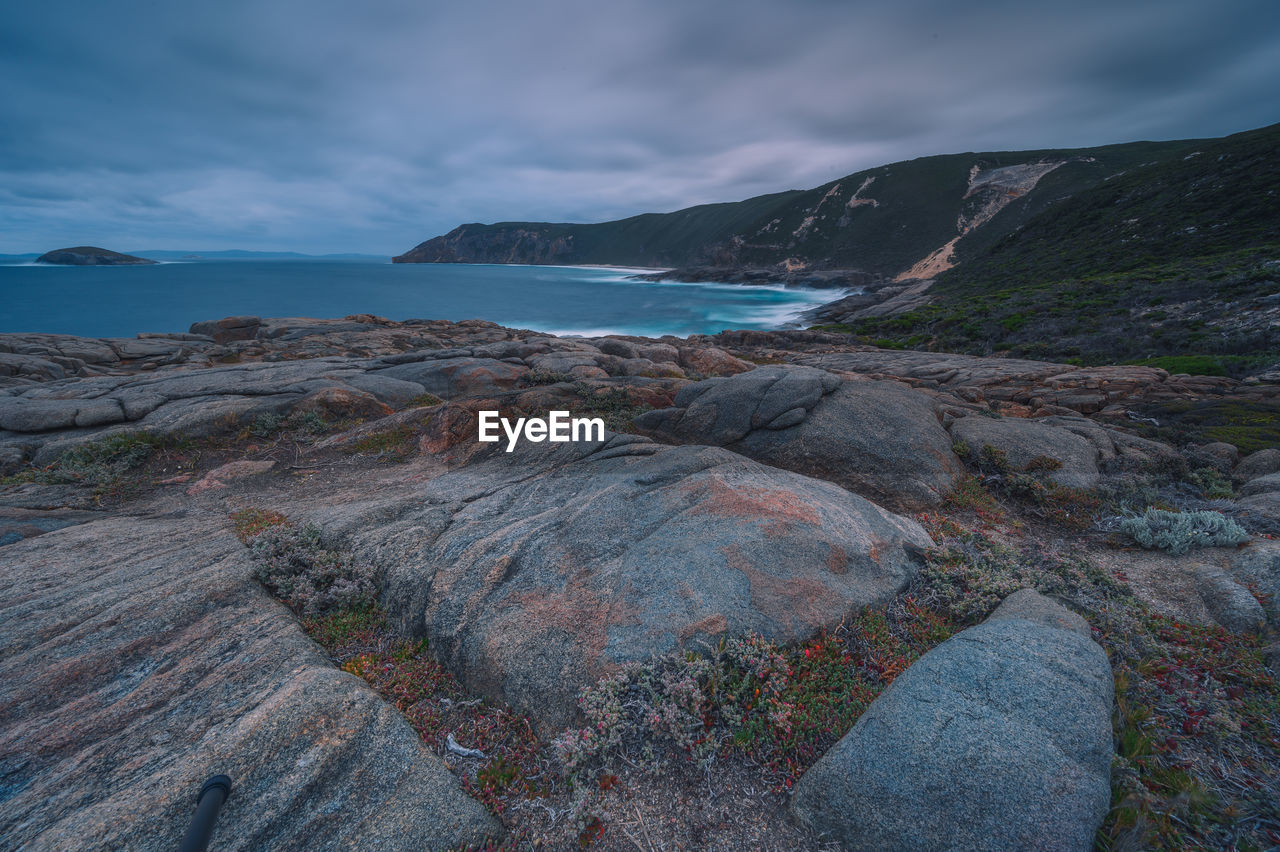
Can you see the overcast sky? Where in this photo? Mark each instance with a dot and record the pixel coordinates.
(335, 125)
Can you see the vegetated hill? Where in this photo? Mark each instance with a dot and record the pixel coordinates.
(1176, 262)
(90, 256)
(884, 221)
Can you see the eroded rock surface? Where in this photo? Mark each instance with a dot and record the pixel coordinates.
(139, 657)
(999, 738)
(58, 391)
(537, 572)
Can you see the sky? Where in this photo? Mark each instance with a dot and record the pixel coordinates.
(339, 126)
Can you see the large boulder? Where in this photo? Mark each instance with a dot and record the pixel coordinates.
(997, 739)
(1257, 464)
(1022, 441)
(534, 573)
(1229, 603)
(139, 657)
(1263, 509)
(1258, 564)
(1265, 484)
(879, 439)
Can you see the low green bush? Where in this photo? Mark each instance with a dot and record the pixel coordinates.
(101, 462)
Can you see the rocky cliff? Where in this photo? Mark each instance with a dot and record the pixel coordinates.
(537, 244)
(911, 219)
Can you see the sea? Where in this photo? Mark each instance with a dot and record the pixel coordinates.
(121, 301)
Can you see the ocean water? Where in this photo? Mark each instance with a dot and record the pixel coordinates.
(121, 301)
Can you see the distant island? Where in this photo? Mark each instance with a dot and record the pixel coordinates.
(90, 256)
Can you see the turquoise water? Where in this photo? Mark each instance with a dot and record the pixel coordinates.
(122, 301)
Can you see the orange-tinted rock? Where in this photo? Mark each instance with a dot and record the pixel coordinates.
(341, 403)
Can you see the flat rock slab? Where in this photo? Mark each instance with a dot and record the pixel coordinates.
(19, 523)
(537, 572)
(997, 739)
(139, 658)
(452, 377)
(229, 472)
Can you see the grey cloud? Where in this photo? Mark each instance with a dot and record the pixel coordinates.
(327, 125)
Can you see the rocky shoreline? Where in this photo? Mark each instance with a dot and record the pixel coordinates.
(783, 485)
(865, 295)
(778, 274)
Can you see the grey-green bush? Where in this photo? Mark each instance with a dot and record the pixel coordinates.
(1178, 532)
(297, 568)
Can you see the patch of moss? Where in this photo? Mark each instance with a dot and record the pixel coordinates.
(395, 443)
(424, 400)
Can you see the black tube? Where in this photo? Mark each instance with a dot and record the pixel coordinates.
(212, 796)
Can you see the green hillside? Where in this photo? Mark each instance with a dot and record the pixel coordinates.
(1175, 258)
(879, 221)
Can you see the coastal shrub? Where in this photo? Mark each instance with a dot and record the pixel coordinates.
(270, 425)
(967, 575)
(1042, 464)
(101, 462)
(295, 566)
(1196, 365)
(993, 461)
(1211, 484)
(783, 707)
(1179, 532)
(613, 405)
(548, 377)
(1071, 507)
(1249, 424)
(1190, 700)
(404, 672)
(641, 710)
(266, 425)
(1075, 508)
(309, 423)
(105, 460)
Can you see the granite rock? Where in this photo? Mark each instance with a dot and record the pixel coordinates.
(997, 739)
(140, 657)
